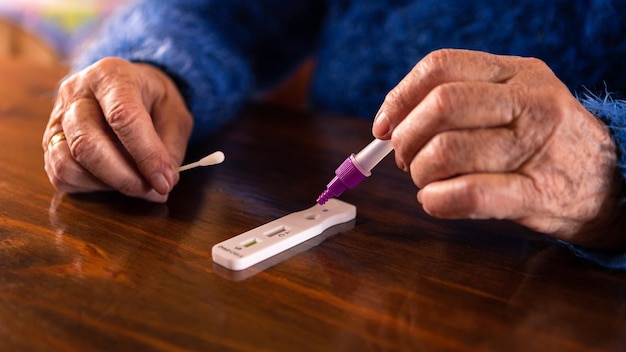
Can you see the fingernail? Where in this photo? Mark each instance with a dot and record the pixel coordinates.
(172, 176)
(160, 183)
(381, 125)
(154, 196)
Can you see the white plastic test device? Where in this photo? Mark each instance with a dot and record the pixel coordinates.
(265, 241)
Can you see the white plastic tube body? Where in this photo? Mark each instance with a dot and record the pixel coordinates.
(371, 155)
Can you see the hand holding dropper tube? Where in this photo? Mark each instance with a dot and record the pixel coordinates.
(356, 168)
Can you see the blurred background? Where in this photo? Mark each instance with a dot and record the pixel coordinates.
(47, 30)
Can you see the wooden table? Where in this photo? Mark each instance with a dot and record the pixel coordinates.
(105, 272)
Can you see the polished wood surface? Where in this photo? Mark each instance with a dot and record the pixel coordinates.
(105, 272)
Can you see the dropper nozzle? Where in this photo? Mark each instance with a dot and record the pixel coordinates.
(355, 169)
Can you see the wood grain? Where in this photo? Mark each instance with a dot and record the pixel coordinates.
(106, 272)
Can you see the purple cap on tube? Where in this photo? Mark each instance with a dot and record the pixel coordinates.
(348, 176)
(356, 168)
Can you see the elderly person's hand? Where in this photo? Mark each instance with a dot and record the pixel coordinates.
(119, 126)
(487, 136)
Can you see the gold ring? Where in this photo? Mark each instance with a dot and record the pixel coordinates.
(56, 138)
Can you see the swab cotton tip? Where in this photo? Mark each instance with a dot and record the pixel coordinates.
(211, 159)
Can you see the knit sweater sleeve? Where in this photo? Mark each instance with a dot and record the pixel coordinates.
(219, 52)
(613, 113)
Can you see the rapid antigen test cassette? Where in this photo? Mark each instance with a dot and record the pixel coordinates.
(265, 241)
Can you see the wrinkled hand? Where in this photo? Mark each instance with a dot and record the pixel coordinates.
(488, 136)
(126, 128)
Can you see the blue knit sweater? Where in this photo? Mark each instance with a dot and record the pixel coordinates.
(223, 53)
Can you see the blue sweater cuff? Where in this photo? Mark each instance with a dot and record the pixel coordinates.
(613, 113)
(605, 258)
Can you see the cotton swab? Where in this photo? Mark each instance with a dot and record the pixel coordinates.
(211, 159)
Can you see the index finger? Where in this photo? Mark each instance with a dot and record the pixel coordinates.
(93, 146)
(125, 103)
(438, 67)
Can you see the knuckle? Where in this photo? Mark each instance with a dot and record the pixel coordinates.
(472, 199)
(518, 95)
(68, 84)
(149, 162)
(441, 149)
(71, 83)
(58, 109)
(61, 175)
(435, 62)
(70, 90)
(440, 157)
(121, 115)
(398, 97)
(108, 74)
(436, 56)
(430, 68)
(442, 100)
(106, 65)
(536, 63)
(82, 147)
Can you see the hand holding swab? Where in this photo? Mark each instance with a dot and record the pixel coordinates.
(211, 159)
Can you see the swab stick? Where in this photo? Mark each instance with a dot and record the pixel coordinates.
(211, 159)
